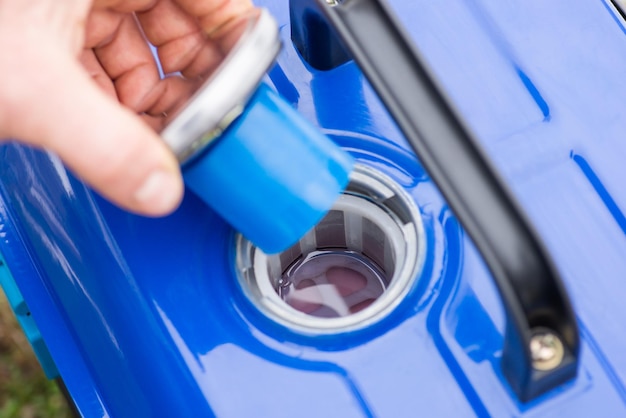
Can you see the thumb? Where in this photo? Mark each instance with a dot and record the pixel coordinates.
(105, 144)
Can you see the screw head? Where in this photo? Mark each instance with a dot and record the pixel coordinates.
(546, 349)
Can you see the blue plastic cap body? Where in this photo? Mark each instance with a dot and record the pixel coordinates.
(271, 174)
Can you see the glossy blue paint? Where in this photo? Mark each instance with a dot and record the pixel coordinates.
(144, 317)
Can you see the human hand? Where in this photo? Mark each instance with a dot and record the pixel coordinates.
(67, 66)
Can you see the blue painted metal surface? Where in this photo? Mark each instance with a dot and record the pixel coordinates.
(144, 317)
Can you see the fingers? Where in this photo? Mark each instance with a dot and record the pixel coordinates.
(212, 15)
(124, 6)
(181, 43)
(103, 143)
(183, 47)
(126, 161)
(128, 61)
(124, 56)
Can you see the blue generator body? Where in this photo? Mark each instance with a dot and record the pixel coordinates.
(147, 317)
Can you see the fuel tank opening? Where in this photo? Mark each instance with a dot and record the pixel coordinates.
(348, 272)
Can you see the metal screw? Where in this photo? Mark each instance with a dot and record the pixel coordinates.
(546, 349)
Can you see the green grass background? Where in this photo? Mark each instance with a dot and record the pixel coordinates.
(25, 392)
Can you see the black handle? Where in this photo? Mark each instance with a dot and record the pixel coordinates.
(541, 346)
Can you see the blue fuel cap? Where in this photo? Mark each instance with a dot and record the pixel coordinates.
(271, 174)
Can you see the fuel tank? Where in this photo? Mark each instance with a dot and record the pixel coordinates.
(386, 308)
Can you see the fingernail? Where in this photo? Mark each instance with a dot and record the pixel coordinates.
(160, 193)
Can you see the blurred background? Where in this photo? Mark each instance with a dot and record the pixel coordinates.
(25, 392)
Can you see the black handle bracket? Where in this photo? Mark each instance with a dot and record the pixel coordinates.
(541, 346)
